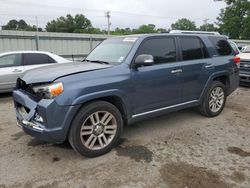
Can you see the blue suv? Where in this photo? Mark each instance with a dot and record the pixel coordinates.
(122, 81)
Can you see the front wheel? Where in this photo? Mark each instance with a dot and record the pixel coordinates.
(96, 129)
(214, 101)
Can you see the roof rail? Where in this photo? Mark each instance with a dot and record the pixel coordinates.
(194, 32)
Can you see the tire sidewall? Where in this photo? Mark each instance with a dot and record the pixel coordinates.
(85, 112)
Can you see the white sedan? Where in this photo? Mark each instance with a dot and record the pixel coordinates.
(12, 64)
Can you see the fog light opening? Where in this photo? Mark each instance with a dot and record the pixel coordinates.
(38, 118)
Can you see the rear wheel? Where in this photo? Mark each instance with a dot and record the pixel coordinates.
(214, 101)
(96, 129)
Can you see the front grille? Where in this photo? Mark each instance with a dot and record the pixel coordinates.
(245, 65)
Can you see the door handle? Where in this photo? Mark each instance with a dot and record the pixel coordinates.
(209, 66)
(176, 71)
(17, 70)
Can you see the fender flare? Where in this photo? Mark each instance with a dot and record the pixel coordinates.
(210, 80)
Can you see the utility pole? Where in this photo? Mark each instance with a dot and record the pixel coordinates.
(107, 14)
(37, 37)
(206, 22)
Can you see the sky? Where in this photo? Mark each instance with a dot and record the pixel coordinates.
(125, 13)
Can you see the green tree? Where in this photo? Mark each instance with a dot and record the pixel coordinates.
(150, 28)
(183, 24)
(234, 19)
(70, 24)
(208, 27)
(18, 25)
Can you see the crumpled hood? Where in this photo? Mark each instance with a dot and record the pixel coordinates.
(52, 72)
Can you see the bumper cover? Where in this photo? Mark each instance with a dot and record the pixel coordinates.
(55, 122)
(244, 76)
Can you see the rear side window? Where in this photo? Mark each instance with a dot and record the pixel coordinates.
(11, 60)
(37, 59)
(192, 48)
(163, 49)
(222, 46)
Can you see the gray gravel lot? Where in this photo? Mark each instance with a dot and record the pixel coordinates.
(178, 150)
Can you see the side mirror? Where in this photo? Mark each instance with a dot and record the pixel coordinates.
(144, 60)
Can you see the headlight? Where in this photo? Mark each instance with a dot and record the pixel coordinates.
(49, 91)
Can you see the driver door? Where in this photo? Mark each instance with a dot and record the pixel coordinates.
(157, 86)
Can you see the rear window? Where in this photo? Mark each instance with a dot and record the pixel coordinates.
(37, 59)
(222, 46)
(192, 48)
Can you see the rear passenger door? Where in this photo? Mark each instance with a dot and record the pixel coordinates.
(195, 67)
(156, 86)
(34, 60)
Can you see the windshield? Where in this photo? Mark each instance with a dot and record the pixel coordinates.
(246, 50)
(113, 51)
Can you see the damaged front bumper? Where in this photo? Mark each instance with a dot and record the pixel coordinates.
(43, 119)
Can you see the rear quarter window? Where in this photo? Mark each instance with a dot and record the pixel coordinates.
(221, 45)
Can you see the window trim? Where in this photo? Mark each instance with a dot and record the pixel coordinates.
(157, 37)
(201, 42)
(21, 59)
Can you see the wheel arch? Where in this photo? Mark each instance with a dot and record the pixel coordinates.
(222, 76)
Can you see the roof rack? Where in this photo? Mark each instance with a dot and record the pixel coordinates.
(194, 32)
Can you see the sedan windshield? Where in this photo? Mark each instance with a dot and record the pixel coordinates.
(113, 51)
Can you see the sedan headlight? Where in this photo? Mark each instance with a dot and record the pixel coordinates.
(49, 91)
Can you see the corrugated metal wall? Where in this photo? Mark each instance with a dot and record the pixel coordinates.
(65, 44)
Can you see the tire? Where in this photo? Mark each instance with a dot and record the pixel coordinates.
(96, 129)
(214, 99)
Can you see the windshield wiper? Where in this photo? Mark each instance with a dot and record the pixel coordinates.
(97, 61)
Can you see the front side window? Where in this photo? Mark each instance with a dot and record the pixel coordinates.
(11, 60)
(37, 59)
(192, 48)
(113, 51)
(162, 49)
(222, 46)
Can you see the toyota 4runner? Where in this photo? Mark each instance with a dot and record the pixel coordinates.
(124, 80)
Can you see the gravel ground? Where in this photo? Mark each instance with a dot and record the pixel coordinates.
(178, 150)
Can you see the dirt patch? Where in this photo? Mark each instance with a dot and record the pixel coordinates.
(55, 159)
(238, 177)
(236, 107)
(238, 151)
(138, 153)
(18, 135)
(36, 142)
(65, 145)
(122, 141)
(181, 175)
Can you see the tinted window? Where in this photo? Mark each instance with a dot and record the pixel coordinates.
(163, 49)
(192, 48)
(10, 60)
(37, 59)
(222, 46)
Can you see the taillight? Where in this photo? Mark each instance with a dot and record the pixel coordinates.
(236, 60)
